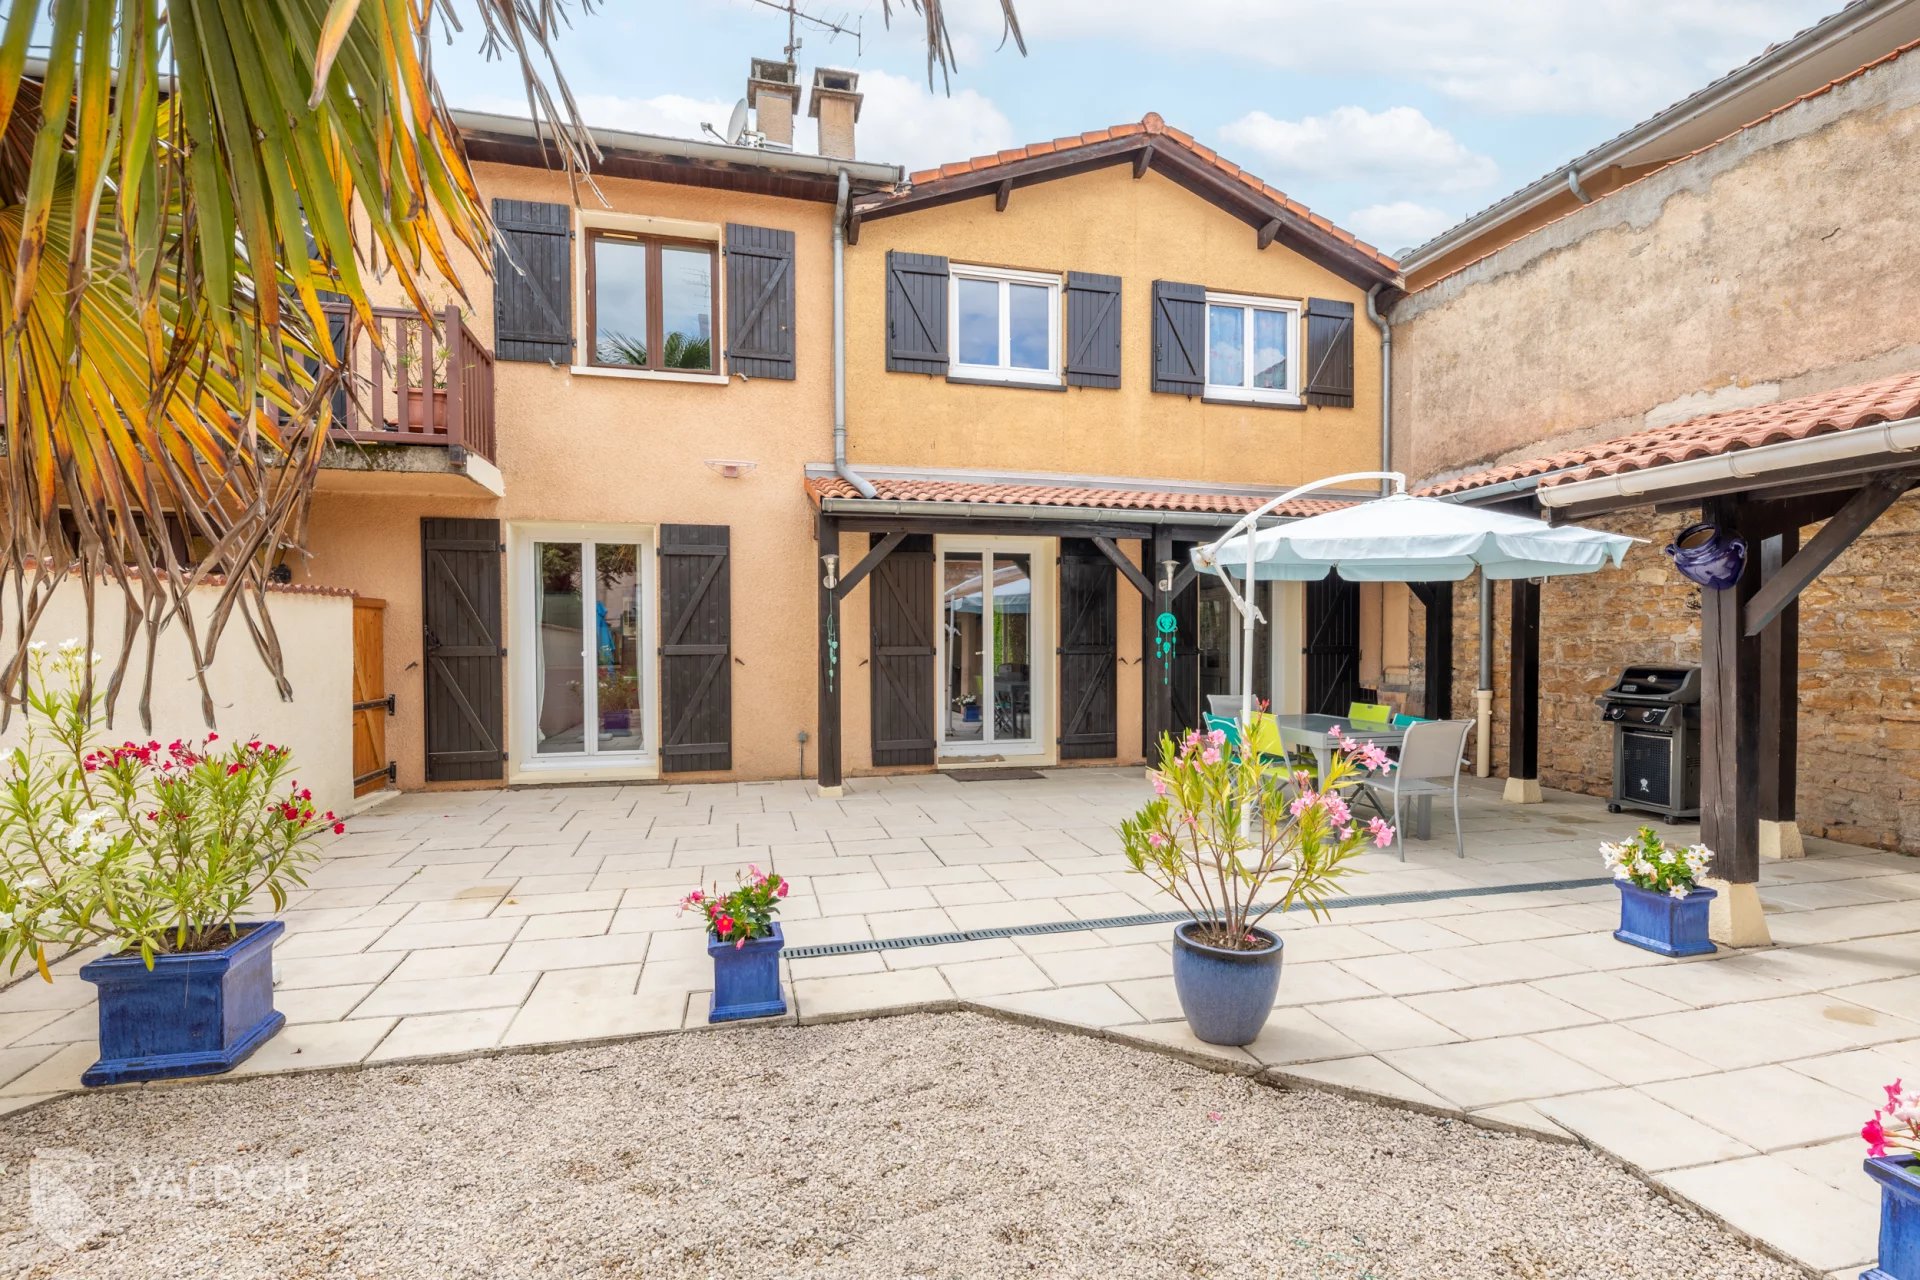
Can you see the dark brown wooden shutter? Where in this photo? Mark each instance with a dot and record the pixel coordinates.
(760, 341)
(696, 648)
(1093, 330)
(1179, 338)
(903, 617)
(1089, 717)
(916, 313)
(1333, 646)
(460, 616)
(1329, 352)
(533, 281)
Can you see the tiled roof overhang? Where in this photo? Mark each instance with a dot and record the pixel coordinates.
(1801, 418)
(831, 493)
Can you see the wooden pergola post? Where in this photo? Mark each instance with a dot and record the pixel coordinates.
(1523, 700)
(1732, 695)
(1780, 711)
(1438, 656)
(827, 744)
(1157, 698)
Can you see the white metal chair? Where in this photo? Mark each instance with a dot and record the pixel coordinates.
(1431, 751)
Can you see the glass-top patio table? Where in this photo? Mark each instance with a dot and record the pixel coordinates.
(1316, 733)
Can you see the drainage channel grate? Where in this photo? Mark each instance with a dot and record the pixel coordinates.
(1166, 917)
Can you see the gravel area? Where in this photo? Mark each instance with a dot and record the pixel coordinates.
(924, 1146)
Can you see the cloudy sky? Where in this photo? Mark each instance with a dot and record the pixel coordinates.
(1393, 117)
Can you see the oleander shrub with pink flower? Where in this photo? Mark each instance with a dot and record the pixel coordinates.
(153, 849)
(1894, 1129)
(1234, 837)
(1651, 863)
(744, 912)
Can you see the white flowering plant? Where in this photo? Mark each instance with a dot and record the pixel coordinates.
(1651, 863)
(152, 849)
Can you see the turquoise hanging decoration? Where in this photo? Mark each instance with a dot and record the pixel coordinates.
(833, 651)
(1167, 629)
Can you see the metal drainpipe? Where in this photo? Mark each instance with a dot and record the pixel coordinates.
(1483, 696)
(1573, 185)
(1386, 385)
(860, 483)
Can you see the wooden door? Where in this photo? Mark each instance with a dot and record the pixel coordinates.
(460, 608)
(1333, 646)
(1089, 723)
(903, 611)
(372, 704)
(696, 648)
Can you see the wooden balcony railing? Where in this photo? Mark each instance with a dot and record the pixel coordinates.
(405, 384)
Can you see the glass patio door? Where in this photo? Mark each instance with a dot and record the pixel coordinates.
(988, 673)
(586, 669)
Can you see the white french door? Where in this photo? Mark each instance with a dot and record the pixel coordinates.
(995, 645)
(582, 678)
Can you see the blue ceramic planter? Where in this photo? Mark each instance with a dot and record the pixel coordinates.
(190, 1015)
(1899, 1179)
(1703, 555)
(1226, 995)
(1663, 923)
(746, 980)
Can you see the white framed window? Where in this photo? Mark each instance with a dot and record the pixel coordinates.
(1253, 349)
(1005, 324)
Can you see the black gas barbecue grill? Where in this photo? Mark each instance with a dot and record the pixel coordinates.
(1655, 714)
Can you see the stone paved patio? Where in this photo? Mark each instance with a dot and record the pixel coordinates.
(455, 923)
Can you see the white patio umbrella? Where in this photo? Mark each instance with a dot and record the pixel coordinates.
(1398, 538)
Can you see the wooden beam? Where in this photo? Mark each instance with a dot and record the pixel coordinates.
(1439, 649)
(1182, 578)
(1423, 592)
(1141, 159)
(826, 746)
(1268, 232)
(1523, 667)
(868, 563)
(1821, 550)
(1779, 692)
(1128, 570)
(1156, 694)
(853, 229)
(1730, 765)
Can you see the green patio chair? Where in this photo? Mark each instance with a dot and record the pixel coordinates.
(1403, 720)
(1370, 712)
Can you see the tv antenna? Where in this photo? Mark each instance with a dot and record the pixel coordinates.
(798, 17)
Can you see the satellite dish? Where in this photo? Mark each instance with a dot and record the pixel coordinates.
(737, 122)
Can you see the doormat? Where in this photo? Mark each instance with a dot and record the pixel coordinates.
(996, 775)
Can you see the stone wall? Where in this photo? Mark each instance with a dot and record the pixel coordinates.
(1859, 714)
(1778, 262)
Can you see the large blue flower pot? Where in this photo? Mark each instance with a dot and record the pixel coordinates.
(1226, 995)
(746, 979)
(1663, 923)
(1899, 1179)
(190, 1015)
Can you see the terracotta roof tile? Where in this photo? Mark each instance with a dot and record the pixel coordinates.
(1801, 418)
(893, 489)
(1151, 123)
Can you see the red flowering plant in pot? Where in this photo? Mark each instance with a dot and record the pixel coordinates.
(1892, 1135)
(155, 850)
(744, 941)
(1234, 836)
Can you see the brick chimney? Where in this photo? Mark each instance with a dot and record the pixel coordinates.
(836, 105)
(773, 90)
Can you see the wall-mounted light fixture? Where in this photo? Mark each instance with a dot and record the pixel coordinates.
(831, 563)
(1167, 569)
(731, 468)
